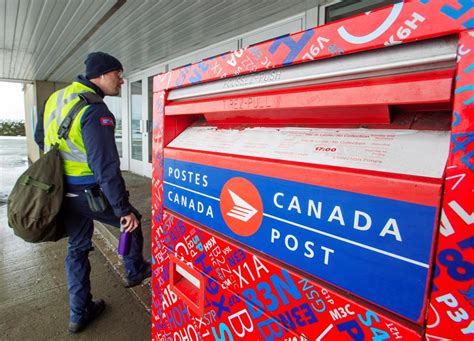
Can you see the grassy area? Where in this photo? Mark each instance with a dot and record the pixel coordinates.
(12, 128)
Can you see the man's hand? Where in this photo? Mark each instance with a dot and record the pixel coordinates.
(129, 222)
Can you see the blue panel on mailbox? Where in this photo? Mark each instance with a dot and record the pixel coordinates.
(374, 247)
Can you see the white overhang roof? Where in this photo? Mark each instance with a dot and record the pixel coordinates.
(49, 39)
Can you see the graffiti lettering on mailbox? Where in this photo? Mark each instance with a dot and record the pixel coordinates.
(406, 30)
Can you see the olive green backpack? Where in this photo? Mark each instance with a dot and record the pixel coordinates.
(35, 200)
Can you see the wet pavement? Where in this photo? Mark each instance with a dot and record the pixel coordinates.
(33, 289)
(13, 161)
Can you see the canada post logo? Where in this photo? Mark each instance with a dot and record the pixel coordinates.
(241, 206)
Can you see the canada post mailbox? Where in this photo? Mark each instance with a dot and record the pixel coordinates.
(297, 196)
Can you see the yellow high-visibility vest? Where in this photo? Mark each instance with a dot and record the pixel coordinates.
(72, 149)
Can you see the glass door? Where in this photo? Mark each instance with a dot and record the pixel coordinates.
(139, 121)
(149, 125)
(136, 127)
(141, 117)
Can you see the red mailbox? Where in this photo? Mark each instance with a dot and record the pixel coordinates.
(319, 185)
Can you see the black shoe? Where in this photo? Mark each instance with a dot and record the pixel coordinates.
(97, 307)
(146, 272)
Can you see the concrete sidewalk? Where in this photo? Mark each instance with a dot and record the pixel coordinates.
(33, 288)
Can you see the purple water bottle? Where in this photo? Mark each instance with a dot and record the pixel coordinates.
(124, 242)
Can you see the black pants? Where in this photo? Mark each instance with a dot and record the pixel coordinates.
(78, 222)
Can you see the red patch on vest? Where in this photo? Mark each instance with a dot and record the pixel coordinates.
(106, 121)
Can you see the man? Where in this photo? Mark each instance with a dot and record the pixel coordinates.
(92, 166)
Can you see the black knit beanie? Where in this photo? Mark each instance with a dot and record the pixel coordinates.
(99, 63)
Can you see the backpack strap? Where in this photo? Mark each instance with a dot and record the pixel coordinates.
(85, 98)
(28, 180)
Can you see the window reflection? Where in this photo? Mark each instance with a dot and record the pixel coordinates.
(150, 118)
(348, 8)
(136, 111)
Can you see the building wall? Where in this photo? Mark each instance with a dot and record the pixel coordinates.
(36, 94)
(30, 121)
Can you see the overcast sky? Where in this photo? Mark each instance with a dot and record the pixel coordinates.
(12, 105)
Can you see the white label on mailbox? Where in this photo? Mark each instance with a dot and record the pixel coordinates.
(411, 152)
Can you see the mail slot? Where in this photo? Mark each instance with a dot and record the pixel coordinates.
(323, 198)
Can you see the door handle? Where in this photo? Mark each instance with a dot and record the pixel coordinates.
(149, 126)
(143, 128)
